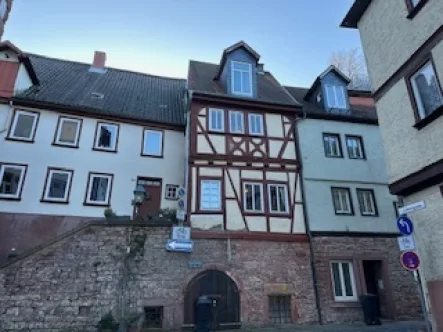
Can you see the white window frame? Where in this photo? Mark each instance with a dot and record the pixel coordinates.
(174, 196)
(219, 195)
(253, 210)
(370, 198)
(285, 187)
(61, 120)
(344, 297)
(91, 177)
(211, 114)
(350, 211)
(327, 141)
(23, 169)
(360, 148)
(260, 116)
(239, 127)
(336, 89)
(113, 147)
(241, 93)
(35, 115)
(51, 172)
(146, 132)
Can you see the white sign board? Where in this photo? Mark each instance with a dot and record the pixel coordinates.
(181, 233)
(406, 243)
(180, 214)
(412, 207)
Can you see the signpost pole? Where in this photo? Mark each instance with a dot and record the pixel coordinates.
(422, 300)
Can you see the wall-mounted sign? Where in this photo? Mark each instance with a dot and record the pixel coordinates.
(181, 233)
(195, 264)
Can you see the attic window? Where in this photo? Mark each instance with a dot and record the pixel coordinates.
(97, 95)
(241, 78)
(335, 96)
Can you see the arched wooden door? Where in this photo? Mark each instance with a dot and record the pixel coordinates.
(223, 292)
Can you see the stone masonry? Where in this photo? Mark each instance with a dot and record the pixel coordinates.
(72, 283)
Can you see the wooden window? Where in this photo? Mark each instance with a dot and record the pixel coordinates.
(366, 201)
(106, 137)
(57, 186)
(343, 281)
(216, 120)
(12, 177)
(354, 145)
(236, 123)
(99, 189)
(253, 197)
(68, 132)
(278, 198)
(210, 195)
(336, 96)
(255, 124)
(241, 78)
(280, 309)
(152, 143)
(153, 317)
(341, 198)
(332, 145)
(171, 191)
(23, 126)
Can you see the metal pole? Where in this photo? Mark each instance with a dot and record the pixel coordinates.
(422, 300)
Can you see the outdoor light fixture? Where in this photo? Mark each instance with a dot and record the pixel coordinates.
(140, 195)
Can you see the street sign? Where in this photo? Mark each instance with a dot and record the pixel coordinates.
(181, 204)
(181, 192)
(405, 225)
(410, 260)
(406, 243)
(412, 207)
(195, 264)
(181, 233)
(180, 214)
(180, 245)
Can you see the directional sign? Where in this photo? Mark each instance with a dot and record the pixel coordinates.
(405, 225)
(406, 243)
(410, 260)
(180, 245)
(181, 233)
(412, 207)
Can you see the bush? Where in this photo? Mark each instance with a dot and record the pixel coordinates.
(107, 323)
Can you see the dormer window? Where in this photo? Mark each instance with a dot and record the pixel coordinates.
(241, 78)
(336, 97)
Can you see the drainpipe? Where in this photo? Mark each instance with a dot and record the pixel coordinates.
(306, 215)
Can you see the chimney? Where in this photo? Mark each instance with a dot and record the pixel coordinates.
(260, 69)
(98, 65)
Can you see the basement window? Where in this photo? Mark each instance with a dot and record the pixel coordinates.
(280, 309)
(153, 317)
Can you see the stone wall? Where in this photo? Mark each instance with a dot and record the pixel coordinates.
(399, 297)
(72, 283)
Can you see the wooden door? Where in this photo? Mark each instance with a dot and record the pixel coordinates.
(153, 189)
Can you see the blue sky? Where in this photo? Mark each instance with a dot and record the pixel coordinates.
(294, 37)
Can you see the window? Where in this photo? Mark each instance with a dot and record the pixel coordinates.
(355, 148)
(171, 191)
(366, 201)
(414, 6)
(152, 143)
(341, 198)
(23, 126)
(332, 145)
(106, 137)
(216, 120)
(426, 90)
(253, 197)
(58, 185)
(153, 317)
(255, 124)
(241, 79)
(278, 198)
(11, 180)
(99, 189)
(343, 281)
(336, 97)
(280, 309)
(68, 131)
(236, 124)
(210, 195)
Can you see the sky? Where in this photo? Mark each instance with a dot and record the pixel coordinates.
(295, 38)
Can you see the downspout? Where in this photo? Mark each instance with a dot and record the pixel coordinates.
(306, 220)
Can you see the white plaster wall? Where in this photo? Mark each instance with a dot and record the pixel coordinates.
(126, 165)
(23, 80)
(274, 125)
(8, 56)
(389, 38)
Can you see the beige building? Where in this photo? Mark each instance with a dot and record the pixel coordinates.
(402, 42)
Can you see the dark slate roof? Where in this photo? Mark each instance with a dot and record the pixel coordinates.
(358, 113)
(201, 78)
(125, 94)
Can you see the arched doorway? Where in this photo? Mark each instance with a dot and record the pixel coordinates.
(222, 290)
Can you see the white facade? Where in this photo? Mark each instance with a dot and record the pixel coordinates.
(126, 165)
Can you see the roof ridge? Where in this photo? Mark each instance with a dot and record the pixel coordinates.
(109, 68)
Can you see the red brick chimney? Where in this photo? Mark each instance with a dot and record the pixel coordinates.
(99, 60)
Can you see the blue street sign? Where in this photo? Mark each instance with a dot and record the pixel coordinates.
(180, 245)
(405, 225)
(410, 260)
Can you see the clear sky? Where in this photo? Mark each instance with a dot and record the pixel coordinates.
(295, 38)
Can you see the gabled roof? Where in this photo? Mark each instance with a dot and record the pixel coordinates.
(322, 75)
(126, 94)
(7, 45)
(355, 13)
(201, 78)
(236, 46)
